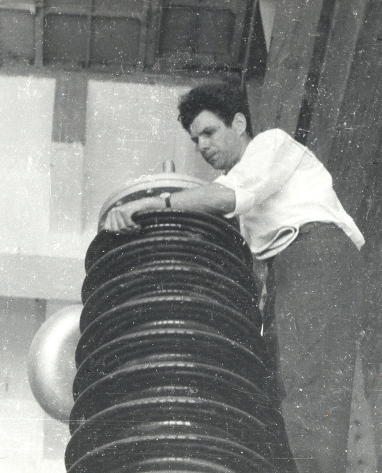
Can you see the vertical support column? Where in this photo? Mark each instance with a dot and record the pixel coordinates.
(347, 20)
(153, 34)
(288, 64)
(357, 139)
(39, 33)
(69, 128)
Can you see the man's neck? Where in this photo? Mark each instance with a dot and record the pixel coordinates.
(245, 140)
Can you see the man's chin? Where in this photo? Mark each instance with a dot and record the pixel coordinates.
(218, 166)
(214, 163)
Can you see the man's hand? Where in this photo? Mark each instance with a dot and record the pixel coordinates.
(120, 218)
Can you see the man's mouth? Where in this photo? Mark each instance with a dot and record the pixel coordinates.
(210, 158)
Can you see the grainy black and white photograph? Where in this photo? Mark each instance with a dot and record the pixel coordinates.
(190, 251)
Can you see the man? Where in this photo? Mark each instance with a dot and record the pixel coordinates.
(294, 222)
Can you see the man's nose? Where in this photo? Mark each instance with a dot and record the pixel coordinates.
(203, 143)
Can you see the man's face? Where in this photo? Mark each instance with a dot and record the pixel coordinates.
(219, 144)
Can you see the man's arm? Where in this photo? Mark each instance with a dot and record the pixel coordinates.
(212, 198)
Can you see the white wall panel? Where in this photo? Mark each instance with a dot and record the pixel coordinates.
(26, 105)
(37, 258)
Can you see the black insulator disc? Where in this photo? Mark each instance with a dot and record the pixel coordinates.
(133, 315)
(171, 379)
(112, 295)
(103, 243)
(149, 250)
(199, 226)
(170, 345)
(116, 456)
(164, 278)
(169, 415)
(173, 465)
(196, 225)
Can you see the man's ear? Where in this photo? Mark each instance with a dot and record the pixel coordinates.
(239, 123)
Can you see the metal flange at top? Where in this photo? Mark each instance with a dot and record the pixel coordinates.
(149, 186)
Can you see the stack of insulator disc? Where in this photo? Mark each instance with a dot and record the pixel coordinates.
(172, 373)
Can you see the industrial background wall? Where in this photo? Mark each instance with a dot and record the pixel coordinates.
(73, 128)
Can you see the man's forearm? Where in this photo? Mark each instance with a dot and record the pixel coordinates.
(211, 198)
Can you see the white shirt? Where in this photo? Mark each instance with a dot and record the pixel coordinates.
(279, 186)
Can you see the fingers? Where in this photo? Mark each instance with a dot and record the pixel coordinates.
(119, 219)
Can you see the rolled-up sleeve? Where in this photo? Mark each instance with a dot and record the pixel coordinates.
(268, 162)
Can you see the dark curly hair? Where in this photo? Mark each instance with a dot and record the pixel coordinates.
(223, 100)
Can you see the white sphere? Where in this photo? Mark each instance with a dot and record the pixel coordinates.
(51, 362)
